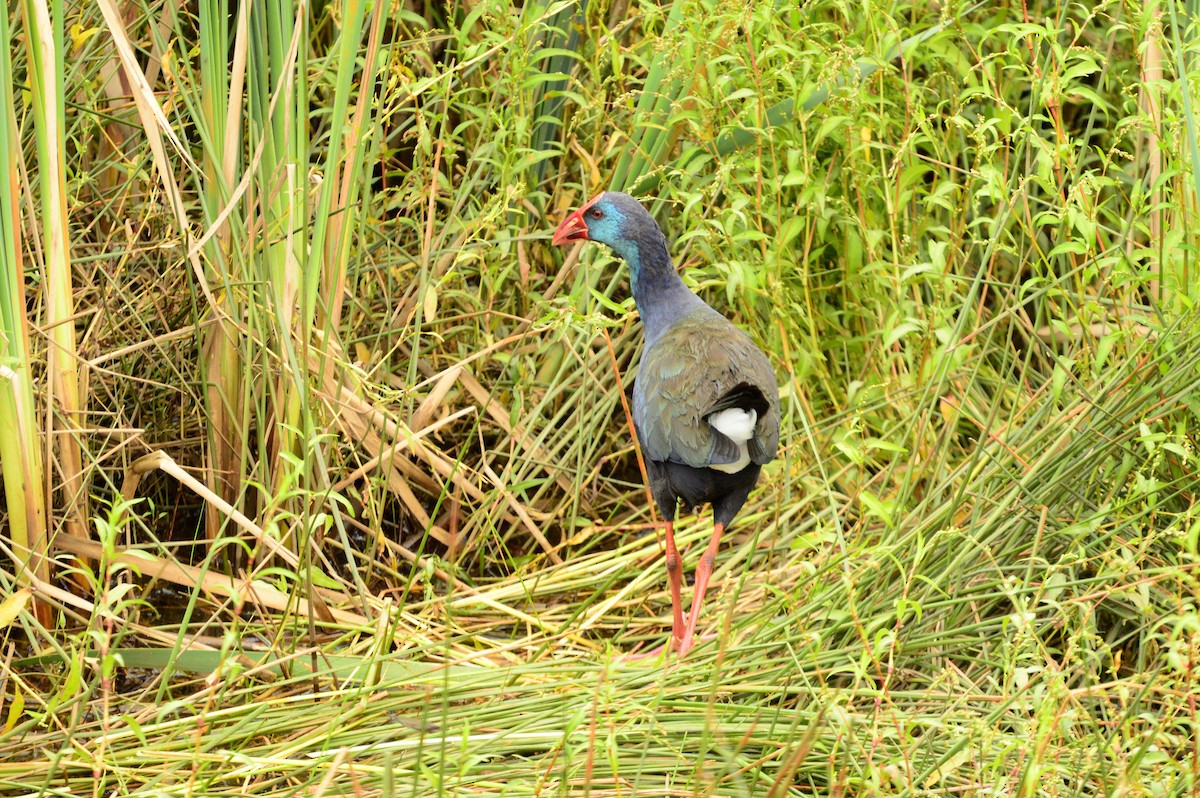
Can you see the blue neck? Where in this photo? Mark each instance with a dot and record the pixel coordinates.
(660, 296)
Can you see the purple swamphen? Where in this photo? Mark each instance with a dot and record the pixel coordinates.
(705, 403)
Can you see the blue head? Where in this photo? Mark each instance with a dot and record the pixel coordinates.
(619, 221)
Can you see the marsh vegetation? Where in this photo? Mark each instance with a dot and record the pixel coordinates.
(318, 475)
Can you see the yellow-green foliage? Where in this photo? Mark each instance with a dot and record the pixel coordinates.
(319, 320)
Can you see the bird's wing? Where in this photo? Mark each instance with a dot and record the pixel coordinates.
(701, 365)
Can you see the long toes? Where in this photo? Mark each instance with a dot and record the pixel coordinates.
(651, 654)
(657, 651)
(687, 645)
(683, 646)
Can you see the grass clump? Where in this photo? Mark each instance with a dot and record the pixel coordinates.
(365, 515)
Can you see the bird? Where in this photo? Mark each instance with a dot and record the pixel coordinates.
(705, 399)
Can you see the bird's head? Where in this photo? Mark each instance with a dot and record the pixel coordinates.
(611, 218)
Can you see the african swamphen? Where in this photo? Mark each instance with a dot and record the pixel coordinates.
(705, 403)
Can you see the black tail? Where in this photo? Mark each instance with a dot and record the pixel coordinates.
(743, 395)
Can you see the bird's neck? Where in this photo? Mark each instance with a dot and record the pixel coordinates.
(660, 295)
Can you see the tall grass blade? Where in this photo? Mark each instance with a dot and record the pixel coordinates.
(652, 131)
(559, 38)
(66, 412)
(20, 453)
(222, 84)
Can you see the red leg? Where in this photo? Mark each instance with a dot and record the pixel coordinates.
(703, 572)
(675, 578)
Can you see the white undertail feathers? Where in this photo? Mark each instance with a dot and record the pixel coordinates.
(737, 424)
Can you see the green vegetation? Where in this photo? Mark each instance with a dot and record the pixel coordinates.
(331, 448)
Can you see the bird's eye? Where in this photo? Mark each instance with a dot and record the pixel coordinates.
(597, 213)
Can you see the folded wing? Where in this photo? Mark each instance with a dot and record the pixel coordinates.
(701, 387)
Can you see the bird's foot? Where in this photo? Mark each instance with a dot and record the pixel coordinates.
(653, 653)
(683, 646)
(688, 644)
